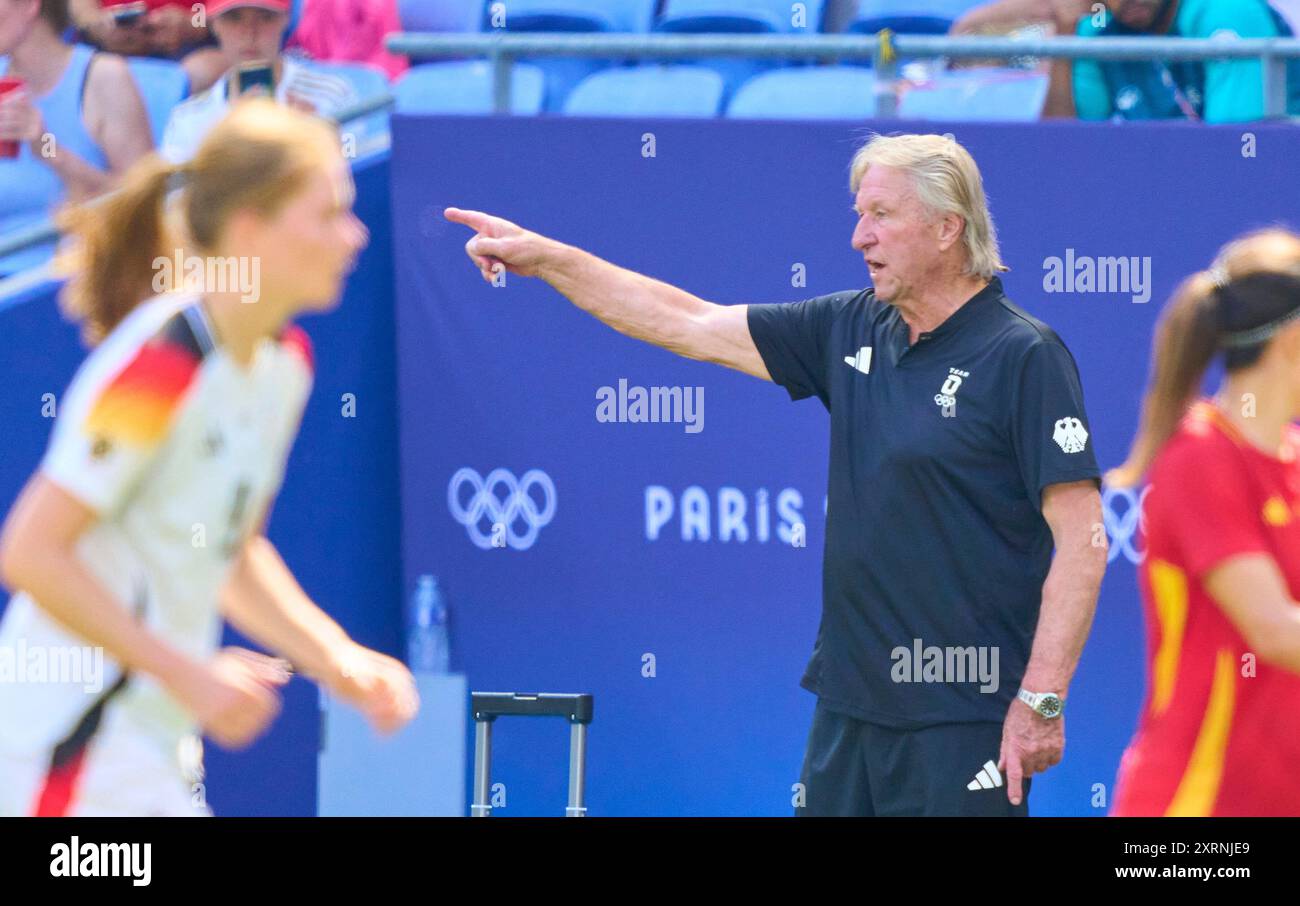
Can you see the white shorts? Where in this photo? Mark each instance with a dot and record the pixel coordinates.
(120, 772)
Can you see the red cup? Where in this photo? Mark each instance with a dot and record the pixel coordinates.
(9, 150)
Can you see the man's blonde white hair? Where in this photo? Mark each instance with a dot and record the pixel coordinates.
(946, 181)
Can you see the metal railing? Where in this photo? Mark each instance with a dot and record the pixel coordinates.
(46, 230)
(364, 108)
(885, 49)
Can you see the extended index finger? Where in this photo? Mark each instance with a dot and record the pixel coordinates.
(475, 220)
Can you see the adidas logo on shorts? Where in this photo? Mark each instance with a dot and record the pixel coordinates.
(987, 778)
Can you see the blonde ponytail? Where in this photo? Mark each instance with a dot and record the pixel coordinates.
(116, 241)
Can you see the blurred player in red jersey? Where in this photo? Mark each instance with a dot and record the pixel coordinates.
(1219, 732)
(143, 526)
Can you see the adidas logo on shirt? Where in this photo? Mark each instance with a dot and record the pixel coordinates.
(861, 361)
(988, 777)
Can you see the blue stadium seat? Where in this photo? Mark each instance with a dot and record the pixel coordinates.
(814, 92)
(370, 132)
(977, 94)
(163, 84)
(910, 17)
(466, 87)
(440, 15)
(576, 15)
(564, 73)
(560, 75)
(367, 81)
(648, 91)
(738, 16)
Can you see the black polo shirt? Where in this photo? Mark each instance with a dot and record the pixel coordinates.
(934, 532)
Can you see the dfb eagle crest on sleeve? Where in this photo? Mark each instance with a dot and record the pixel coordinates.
(1070, 435)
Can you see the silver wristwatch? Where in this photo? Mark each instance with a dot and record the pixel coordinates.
(1048, 705)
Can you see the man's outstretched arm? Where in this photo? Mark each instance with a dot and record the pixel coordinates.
(631, 303)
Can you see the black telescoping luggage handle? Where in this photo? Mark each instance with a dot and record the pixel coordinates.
(577, 708)
(488, 706)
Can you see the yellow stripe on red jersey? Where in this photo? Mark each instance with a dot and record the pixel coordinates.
(1220, 730)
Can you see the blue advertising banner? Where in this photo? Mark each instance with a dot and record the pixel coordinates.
(605, 517)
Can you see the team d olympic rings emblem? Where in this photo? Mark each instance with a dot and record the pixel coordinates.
(1124, 525)
(501, 512)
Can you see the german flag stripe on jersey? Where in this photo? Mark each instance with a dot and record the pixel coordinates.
(136, 407)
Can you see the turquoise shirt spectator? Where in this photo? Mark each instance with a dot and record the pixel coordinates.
(1217, 91)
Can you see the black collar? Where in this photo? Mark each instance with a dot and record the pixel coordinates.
(971, 308)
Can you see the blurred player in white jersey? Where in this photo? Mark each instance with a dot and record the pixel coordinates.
(144, 524)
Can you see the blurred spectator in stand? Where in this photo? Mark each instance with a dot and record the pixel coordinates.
(165, 29)
(1005, 16)
(1216, 91)
(1031, 18)
(77, 120)
(349, 31)
(251, 33)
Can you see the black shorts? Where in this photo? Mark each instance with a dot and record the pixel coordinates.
(853, 768)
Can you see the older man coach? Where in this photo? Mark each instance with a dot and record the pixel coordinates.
(959, 458)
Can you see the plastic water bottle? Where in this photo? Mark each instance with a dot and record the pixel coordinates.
(428, 646)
